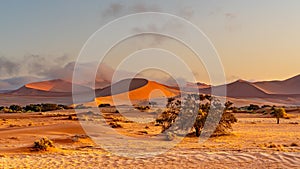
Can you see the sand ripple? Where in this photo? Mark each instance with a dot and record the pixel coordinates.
(174, 159)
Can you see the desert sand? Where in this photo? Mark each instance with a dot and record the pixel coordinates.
(256, 142)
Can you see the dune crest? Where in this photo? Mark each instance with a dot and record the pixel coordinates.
(57, 85)
(139, 89)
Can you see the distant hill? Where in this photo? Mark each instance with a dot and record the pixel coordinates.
(237, 89)
(17, 82)
(289, 86)
(284, 92)
(57, 85)
(51, 88)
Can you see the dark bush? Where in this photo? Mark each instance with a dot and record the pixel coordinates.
(43, 144)
(33, 108)
(15, 108)
(253, 107)
(104, 105)
(142, 108)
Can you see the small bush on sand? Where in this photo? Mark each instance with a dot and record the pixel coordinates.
(141, 108)
(43, 144)
(279, 113)
(104, 105)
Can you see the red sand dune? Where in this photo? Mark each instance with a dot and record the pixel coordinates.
(135, 89)
(286, 92)
(57, 85)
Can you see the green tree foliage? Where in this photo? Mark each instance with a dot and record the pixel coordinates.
(15, 108)
(253, 107)
(43, 144)
(185, 113)
(279, 113)
(33, 108)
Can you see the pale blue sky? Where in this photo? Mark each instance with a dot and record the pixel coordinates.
(256, 40)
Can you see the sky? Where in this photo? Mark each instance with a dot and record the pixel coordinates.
(256, 40)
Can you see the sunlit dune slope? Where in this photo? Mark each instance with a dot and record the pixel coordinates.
(57, 85)
(135, 89)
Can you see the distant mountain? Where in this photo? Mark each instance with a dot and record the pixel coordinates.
(237, 89)
(289, 86)
(285, 92)
(17, 82)
(57, 85)
(50, 88)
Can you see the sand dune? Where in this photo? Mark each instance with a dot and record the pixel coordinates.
(57, 85)
(237, 89)
(278, 92)
(243, 88)
(289, 86)
(122, 87)
(135, 89)
(16, 82)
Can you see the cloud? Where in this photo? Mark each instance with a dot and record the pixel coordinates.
(8, 67)
(114, 10)
(33, 65)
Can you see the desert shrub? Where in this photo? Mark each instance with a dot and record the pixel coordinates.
(142, 108)
(104, 105)
(279, 113)
(189, 112)
(43, 144)
(7, 110)
(252, 107)
(49, 107)
(33, 108)
(15, 108)
(265, 106)
(1, 108)
(44, 107)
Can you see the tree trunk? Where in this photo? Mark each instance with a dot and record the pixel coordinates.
(197, 131)
(277, 120)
